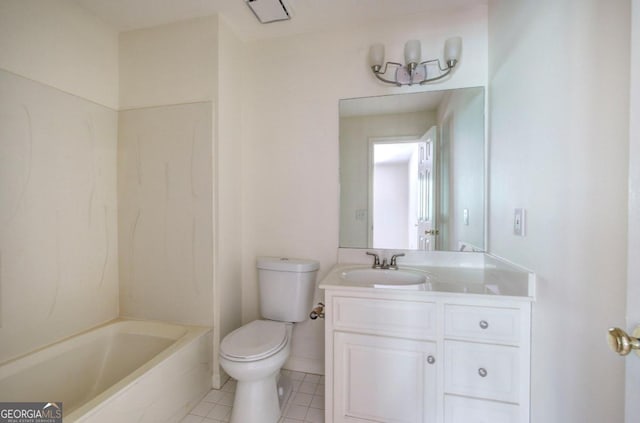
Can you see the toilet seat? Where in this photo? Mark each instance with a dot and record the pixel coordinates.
(254, 341)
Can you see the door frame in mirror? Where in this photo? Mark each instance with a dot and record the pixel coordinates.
(373, 141)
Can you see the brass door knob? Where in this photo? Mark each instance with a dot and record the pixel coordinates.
(432, 232)
(620, 342)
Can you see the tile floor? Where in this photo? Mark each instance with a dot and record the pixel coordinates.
(305, 404)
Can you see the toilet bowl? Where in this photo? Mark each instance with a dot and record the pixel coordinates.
(254, 353)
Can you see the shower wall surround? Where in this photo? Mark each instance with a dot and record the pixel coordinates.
(58, 227)
(165, 213)
(166, 142)
(179, 144)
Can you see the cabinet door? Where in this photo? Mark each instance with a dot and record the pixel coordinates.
(383, 379)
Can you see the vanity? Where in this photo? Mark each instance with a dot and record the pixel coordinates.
(442, 333)
(443, 339)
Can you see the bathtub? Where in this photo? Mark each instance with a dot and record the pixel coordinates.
(124, 371)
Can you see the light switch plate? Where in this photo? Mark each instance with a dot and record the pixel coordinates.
(519, 222)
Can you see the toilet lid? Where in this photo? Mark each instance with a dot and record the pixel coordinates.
(255, 340)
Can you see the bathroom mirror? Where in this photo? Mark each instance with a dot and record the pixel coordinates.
(412, 171)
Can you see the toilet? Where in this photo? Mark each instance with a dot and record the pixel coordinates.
(254, 353)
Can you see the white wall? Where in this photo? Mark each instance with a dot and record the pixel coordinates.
(465, 108)
(58, 133)
(61, 45)
(559, 75)
(632, 406)
(166, 182)
(391, 194)
(169, 64)
(290, 151)
(227, 304)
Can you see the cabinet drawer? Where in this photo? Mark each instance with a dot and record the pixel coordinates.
(410, 319)
(468, 410)
(483, 323)
(482, 371)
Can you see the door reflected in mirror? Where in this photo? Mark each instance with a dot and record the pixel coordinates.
(412, 171)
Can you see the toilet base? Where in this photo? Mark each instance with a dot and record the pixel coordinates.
(256, 401)
(285, 387)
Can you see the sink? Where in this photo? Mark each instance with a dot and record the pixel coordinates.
(386, 278)
(463, 277)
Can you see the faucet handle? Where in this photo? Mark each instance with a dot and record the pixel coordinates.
(394, 262)
(376, 260)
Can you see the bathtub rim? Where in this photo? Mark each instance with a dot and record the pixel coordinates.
(191, 333)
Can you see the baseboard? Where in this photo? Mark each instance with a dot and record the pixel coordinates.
(306, 365)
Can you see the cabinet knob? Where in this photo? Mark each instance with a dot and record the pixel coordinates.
(431, 359)
(483, 324)
(482, 372)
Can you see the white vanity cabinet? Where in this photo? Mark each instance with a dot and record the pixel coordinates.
(428, 357)
(384, 360)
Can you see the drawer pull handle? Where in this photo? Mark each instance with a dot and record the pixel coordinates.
(431, 359)
(484, 324)
(482, 372)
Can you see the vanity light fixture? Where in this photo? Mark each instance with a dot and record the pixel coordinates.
(414, 71)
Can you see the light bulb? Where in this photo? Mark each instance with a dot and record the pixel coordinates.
(452, 50)
(376, 55)
(412, 52)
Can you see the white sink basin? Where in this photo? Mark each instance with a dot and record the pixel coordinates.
(386, 278)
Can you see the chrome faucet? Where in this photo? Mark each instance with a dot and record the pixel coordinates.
(376, 260)
(394, 261)
(393, 265)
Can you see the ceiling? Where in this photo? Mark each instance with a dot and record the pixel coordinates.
(306, 15)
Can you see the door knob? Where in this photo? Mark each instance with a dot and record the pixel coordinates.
(432, 232)
(620, 342)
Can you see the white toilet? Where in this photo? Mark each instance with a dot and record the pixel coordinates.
(254, 353)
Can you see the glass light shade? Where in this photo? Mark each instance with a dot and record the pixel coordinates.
(376, 55)
(412, 51)
(452, 49)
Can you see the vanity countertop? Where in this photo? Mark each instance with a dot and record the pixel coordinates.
(480, 275)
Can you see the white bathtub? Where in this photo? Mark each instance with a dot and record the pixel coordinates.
(125, 371)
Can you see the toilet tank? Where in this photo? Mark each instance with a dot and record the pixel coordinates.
(286, 287)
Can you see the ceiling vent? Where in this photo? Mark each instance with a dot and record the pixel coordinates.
(268, 11)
